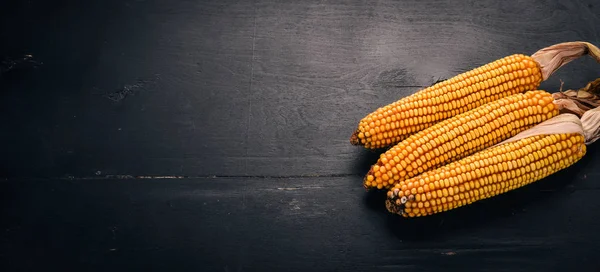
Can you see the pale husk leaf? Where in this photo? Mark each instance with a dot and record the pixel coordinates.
(562, 123)
(555, 56)
(591, 125)
(569, 106)
(578, 101)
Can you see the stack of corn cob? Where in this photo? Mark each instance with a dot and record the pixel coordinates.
(481, 133)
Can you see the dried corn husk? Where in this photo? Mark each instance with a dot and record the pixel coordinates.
(555, 56)
(562, 123)
(590, 122)
(579, 101)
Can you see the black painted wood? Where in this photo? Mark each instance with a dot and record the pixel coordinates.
(204, 88)
(291, 224)
(255, 102)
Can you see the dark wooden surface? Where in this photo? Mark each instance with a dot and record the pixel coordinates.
(253, 102)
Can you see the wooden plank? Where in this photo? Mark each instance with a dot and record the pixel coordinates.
(239, 88)
(263, 96)
(298, 224)
(127, 88)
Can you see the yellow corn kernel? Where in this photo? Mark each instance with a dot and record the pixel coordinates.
(471, 89)
(499, 179)
(458, 137)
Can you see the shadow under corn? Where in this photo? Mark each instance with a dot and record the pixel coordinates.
(483, 213)
(365, 159)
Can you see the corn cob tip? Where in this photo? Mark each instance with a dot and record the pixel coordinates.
(389, 205)
(396, 203)
(354, 140)
(368, 180)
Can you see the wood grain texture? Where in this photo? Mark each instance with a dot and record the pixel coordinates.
(256, 101)
(265, 88)
(288, 224)
(196, 67)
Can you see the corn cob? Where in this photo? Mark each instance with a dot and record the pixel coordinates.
(529, 156)
(513, 74)
(488, 173)
(460, 136)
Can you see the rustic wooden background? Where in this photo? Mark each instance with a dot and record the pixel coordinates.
(213, 136)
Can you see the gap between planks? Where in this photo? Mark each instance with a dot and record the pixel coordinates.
(143, 177)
